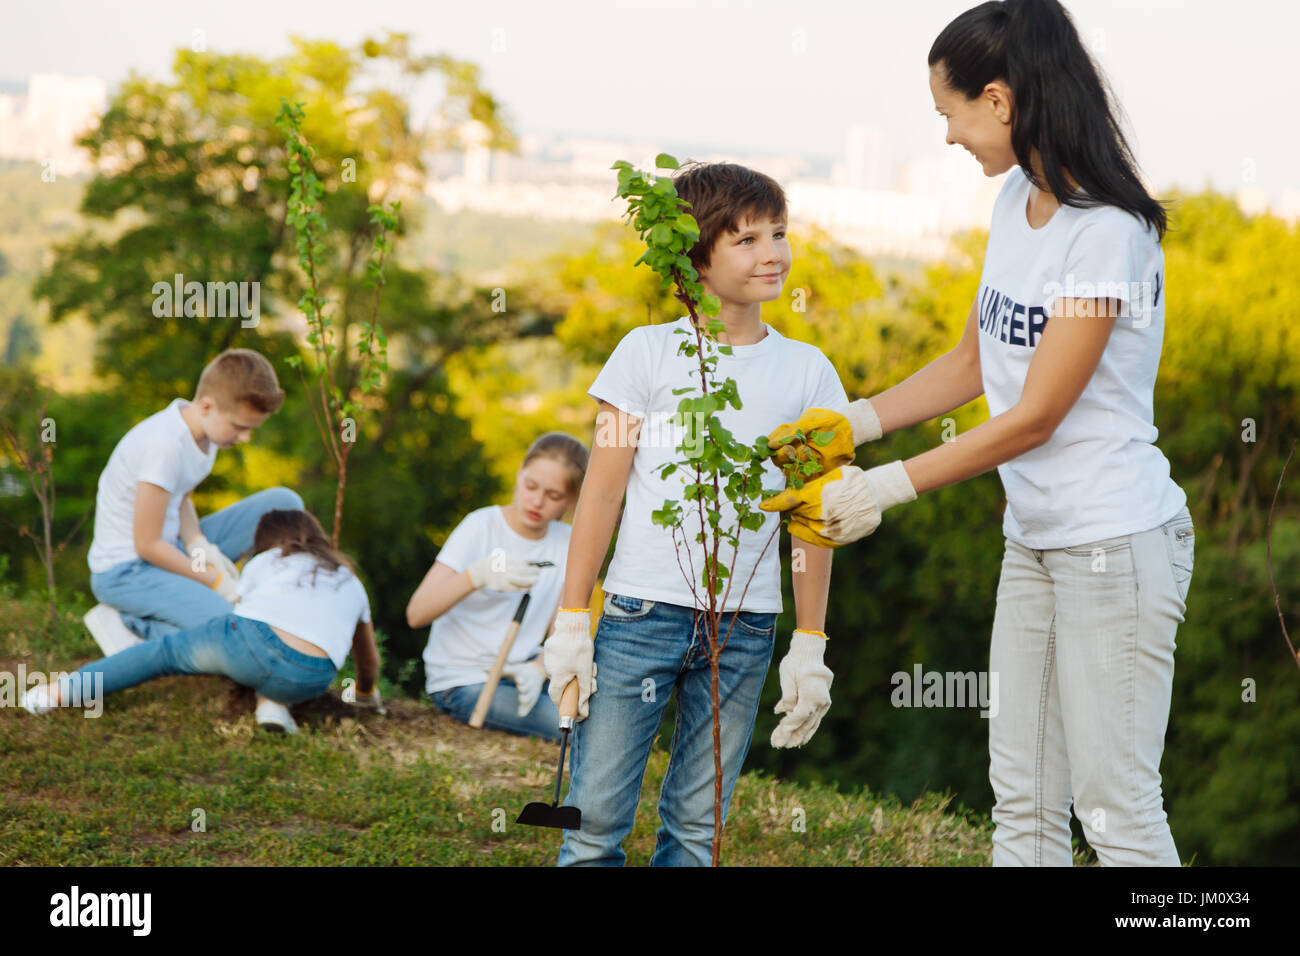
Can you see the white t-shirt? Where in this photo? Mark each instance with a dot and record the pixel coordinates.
(1099, 475)
(162, 451)
(280, 591)
(464, 641)
(777, 379)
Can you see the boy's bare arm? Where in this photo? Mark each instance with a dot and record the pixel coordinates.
(599, 504)
(365, 653)
(811, 585)
(189, 521)
(150, 513)
(442, 589)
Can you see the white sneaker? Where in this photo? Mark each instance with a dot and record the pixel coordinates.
(106, 627)
(275, 717)
(37, 700)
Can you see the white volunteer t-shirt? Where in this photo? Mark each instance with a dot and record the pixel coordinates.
(777, 379)
(280, 590)
(464, 641)
(1099, 475)
(161, 451)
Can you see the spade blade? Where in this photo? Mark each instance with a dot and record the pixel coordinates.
(545, 815)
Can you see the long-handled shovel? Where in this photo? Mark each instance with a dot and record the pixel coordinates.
(484, 702)
(552, 815)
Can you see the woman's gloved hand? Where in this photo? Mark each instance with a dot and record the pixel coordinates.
(854, 424)
(500, 572)
(569, 652)
(842, 505)
(805, 689)
(529, 676)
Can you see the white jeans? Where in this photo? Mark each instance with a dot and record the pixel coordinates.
(1083, 646)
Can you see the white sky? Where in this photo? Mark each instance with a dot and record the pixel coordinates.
(1209, 88)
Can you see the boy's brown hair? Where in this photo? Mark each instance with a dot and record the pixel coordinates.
(238, 376)
(721, 194)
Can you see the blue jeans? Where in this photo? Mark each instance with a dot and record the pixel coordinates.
(154, 602)
(643, 650)
(542, 721)
(244, 650)
(1083, 650)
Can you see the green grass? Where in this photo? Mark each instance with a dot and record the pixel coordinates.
(412, 788)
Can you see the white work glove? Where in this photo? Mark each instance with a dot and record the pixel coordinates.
(843, 505)
(500, 572)
(805, 690)
(228, 585)
(528, 677)
(852, 506)
(863, 421)
(371, 701)
(569, 652)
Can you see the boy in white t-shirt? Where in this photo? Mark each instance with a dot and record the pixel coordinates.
(649, 639)
(155, 567)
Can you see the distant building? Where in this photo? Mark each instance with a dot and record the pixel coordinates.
(43, 123)
(864, 203)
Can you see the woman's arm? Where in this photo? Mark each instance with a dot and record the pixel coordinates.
(1066, 358)
(440, 591)
(949, 382)
(599, 504)
(366, 654)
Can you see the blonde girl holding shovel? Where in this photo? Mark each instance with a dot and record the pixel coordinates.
(1064, 340)
(473, 589)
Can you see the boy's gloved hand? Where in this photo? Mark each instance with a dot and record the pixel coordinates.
(227, 586)
(569, 652)
(805, 690)
(201, 547)
(842, 505)
(528, 677)
(854, 424)
(500, 572)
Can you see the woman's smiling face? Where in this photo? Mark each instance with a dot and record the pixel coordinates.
(982, 126)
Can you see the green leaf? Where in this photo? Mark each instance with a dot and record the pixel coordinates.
(665, 161)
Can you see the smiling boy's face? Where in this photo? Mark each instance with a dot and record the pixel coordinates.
(750, 265)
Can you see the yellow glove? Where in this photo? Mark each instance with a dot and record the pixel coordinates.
(842, 505)
(853, 425)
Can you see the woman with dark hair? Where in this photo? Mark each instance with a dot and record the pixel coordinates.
(1064, 340)
(300, 608)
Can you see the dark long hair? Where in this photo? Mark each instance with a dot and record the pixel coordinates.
(298, 532)
(1061, 106)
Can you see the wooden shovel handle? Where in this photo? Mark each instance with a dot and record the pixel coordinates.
(494, 675)
(569, 700)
